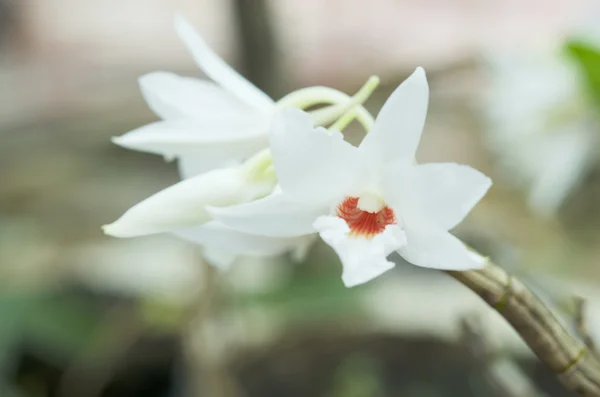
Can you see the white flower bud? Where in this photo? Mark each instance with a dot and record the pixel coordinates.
(183, 204)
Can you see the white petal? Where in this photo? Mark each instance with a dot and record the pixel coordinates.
(435, 248)
(172, 137)
(217, 69)
(184, 204)
(477, 257)
(222, 242)
(275, 215)
(313, 165)
(362, 259)
(173, 97)
(399, 124)
(211, 144)
(441, 193)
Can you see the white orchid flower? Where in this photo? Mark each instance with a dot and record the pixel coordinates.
(212, 124)
(540, 125)
(366, 201)
(208, 125)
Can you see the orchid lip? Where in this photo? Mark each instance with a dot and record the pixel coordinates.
(365, 224)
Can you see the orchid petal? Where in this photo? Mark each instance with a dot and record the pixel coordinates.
(312, 165)
(210, 144)
(275, 215)
(432, 247)
(442, 193)
(183, 204)
(399, 124)
(217, 69)
(220, 238)
(173, 97)
(363, 259)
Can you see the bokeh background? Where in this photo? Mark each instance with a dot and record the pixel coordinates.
(515, 92)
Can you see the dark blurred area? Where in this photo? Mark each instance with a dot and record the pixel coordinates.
(514, 93)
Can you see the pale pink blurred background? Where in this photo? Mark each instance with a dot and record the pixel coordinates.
(67, 49)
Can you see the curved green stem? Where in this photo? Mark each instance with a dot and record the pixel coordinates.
(342, 103)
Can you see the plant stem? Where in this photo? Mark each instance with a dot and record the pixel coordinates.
(543, 332)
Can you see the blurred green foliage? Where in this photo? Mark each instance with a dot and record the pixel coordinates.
(587, 56)
(60, 325)
(307, 296)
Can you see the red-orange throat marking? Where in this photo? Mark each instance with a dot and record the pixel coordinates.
(363, 223)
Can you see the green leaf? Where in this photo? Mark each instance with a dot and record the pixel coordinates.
(587, 57)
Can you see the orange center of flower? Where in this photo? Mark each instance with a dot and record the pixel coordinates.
(364, 223)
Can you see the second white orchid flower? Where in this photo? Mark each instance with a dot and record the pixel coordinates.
(211, 124)
(540, 124)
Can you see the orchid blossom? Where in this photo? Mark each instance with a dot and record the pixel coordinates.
(540, 124)
(210, 125)
(366, 201)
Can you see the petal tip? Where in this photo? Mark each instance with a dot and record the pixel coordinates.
(290, 120)
(126, 142)
(184, 29)
(474, 266)
(419, 73)
(111, 230)
(295, 115)
(123, 227)
(354, 279)
(479, 261)
(488, 182)
(349, 283)
(120, 230)
(147, 78)
(118, 140)
(289, 112)
(180, 21)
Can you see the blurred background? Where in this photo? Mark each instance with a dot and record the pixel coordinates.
(515, 93)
